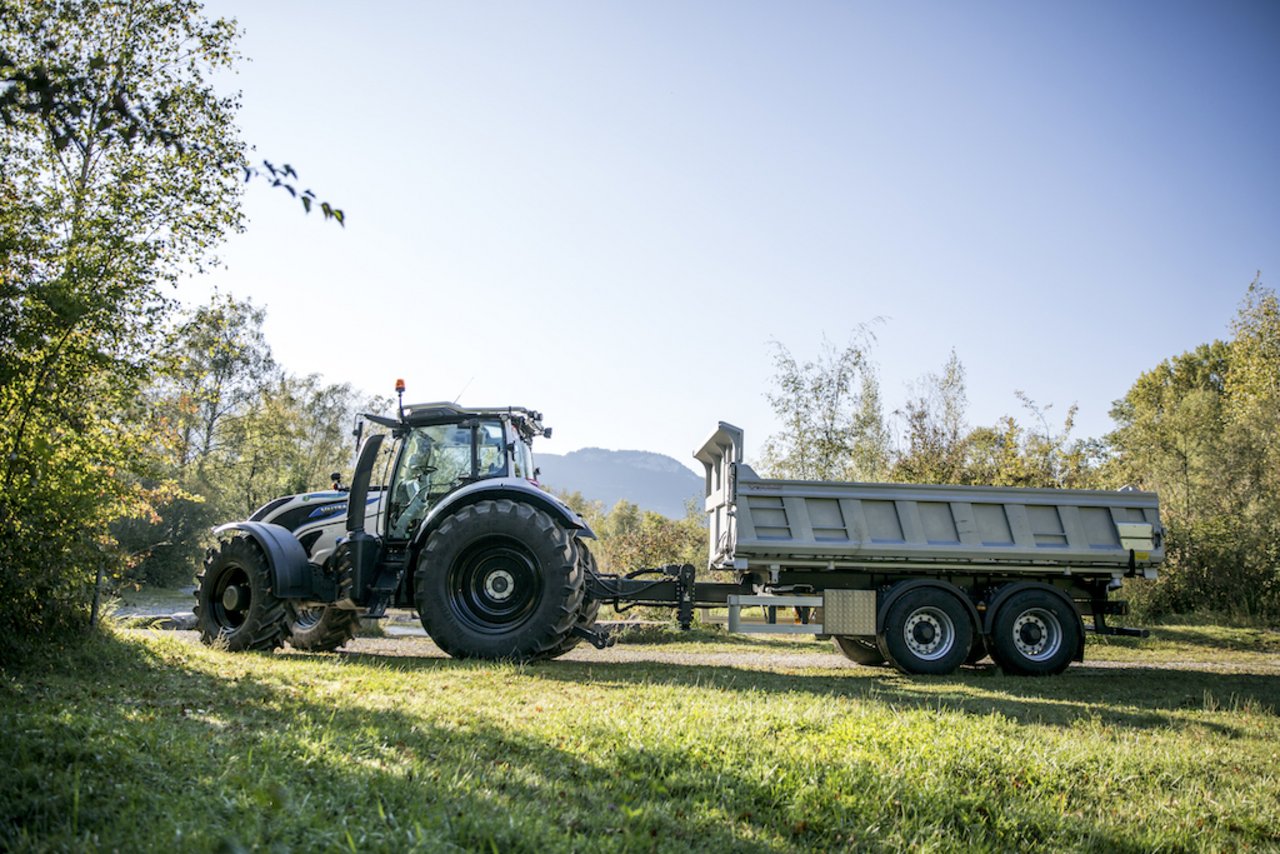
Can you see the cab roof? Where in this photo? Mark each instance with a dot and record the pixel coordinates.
(420, 414)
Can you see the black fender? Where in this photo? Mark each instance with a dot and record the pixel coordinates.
(493, 490)
(897, 591)
(1003, 593)
(291, 571)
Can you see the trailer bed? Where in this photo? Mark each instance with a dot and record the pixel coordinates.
(758, 523)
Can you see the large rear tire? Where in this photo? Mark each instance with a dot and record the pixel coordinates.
(235, 605)
(859, 650)
(499, 580)
(589, 610)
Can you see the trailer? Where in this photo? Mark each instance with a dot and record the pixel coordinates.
(923, 577)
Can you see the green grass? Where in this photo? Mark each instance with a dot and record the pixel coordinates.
(146, 740)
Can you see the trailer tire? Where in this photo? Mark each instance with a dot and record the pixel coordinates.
(499, 580)
(859, 650)
(1035, 633)
(235, 605)
(927, 631)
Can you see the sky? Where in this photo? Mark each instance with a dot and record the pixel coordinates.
(608, 211)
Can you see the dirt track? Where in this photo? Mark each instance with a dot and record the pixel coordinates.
(772, 658)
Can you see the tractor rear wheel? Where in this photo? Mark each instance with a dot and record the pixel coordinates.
(588, 610)
(235, 605)
(499, 580)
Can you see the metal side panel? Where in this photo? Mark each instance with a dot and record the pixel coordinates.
(756, 522)
(849, 612)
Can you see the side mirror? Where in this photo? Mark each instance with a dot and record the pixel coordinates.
(546, 431)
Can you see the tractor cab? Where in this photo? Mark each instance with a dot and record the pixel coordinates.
(443, 448)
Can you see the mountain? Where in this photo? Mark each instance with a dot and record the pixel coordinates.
(652, 481)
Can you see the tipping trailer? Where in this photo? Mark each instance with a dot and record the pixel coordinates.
(923, 577)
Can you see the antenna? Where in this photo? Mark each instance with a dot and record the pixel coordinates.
(464, 388)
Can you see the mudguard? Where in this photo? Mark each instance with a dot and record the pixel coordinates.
(291, 575)
(513, 488)
(993, 607)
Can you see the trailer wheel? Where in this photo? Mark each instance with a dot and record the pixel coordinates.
(859, 650)
(324, 628)
(1034, 634)
(235, 605)
(926, 631)
(499, 580)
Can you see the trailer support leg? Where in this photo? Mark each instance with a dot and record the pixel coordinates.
(685, 591)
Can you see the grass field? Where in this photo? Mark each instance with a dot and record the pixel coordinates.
(143, 740)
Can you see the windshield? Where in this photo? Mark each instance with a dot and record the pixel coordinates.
(436, 460)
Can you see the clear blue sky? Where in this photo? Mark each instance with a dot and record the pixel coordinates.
(607, 210)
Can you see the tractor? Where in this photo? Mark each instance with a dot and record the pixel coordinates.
(459, 530)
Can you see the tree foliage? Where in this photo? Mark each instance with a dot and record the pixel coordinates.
(1202, 429)
(833, 428)
(232, 431)
(630, 538)
(82, 90)
(94, 221)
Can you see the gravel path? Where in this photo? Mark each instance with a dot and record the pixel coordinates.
(775, 658)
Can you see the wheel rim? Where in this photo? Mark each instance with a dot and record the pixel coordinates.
(494, 587)
(929, 633)
(307, 618)
(232, 599)
(1037, 634)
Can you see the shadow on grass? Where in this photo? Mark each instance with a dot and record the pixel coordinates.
(110, 738)
(1143, 697)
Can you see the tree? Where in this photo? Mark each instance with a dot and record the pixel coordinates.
(95, 218)
(55, 86)
(232, 431)
(833, 428)
(1200, 429)
(936, 430)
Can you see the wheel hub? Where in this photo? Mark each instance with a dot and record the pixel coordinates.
(235, 597)
(1037, 634)
(929, 633)
(495, 586)
(499, 585)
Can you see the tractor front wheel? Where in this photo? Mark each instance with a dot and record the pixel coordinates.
(323, 628)
(235, 604)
